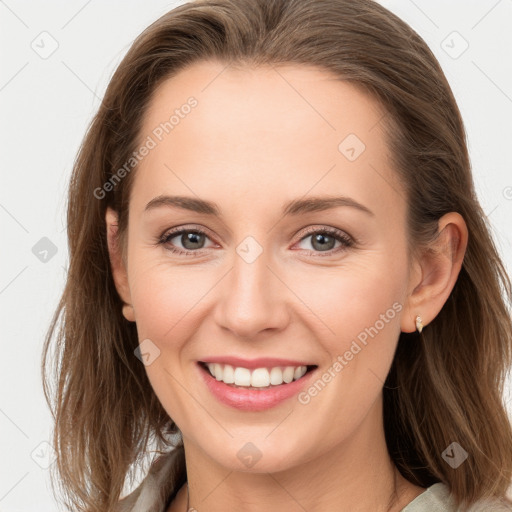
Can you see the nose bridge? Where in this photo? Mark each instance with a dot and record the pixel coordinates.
(253, 299)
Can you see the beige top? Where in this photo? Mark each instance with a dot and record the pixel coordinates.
(158, 489)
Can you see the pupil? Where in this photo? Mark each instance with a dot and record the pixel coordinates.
(320, 238)
(193, 238)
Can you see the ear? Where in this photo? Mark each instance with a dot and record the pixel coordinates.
(117, 263)
(436, 272)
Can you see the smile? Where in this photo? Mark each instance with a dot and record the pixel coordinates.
(256, 378)
(254, 389)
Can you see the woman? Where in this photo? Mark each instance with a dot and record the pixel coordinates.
(280, 274)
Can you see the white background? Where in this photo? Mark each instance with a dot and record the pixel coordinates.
(46, 105)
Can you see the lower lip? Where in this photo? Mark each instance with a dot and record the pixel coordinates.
(253, 399)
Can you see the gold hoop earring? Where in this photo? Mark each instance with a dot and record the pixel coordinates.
(419, 325)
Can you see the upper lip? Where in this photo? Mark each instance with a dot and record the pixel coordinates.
(260, 362)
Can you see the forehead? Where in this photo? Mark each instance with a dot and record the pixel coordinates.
(258, 132)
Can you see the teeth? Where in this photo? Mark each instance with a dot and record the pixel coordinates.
(276, 376)
(228, 375)
(217, 371)
(242, 377)
(260, 378)
(288, 374)
(257, 378)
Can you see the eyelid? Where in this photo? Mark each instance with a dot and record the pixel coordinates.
(346, 240)
(185, 227)
(325, 229)
(173, 232)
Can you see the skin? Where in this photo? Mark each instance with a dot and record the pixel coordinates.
(258, 138)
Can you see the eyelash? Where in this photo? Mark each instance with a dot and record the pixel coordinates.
(338, 235)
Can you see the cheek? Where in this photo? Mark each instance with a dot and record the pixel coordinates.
(349, 300)
(357, 322)
(168, 300)
(159, 303)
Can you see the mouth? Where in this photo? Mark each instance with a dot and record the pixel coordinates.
(261, 378)
(254, 389)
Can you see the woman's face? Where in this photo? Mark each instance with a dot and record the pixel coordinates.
(280, 273)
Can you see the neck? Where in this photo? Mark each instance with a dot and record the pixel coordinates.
(357, 475)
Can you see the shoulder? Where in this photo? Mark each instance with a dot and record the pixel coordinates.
(437, 498)
(154, 491)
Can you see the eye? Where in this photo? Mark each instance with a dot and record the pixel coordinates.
(191, 240)
(324, 241)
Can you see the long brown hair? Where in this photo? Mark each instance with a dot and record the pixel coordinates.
(445, 384)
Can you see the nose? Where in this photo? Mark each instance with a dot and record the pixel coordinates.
(253, 299)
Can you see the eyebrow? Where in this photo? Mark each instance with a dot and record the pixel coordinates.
(294, 207)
